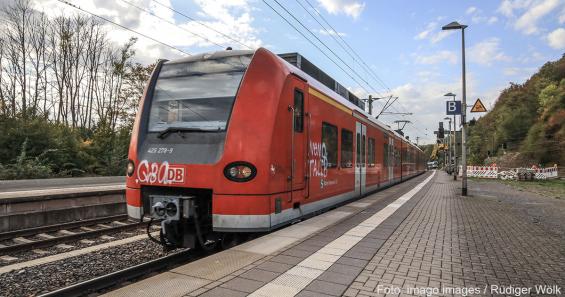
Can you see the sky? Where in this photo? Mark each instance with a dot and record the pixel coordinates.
(390, 47)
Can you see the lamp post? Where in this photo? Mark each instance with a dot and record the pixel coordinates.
(457, 26)
(454, 139)
(449, 168)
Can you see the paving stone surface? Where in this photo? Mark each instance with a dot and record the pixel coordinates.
(436, 242)
(336, 279)
(450, 241)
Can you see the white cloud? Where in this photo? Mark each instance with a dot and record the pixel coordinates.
(522, 73)
(233, 17)
(529, 12)
(562, 16)
(331, 32)
(507, 7)
(478, 17)
(352, 8)
(426, 75)
(556, 39)
(532, 56)
(527, 23)
(492, 20)
(486, 52)
(433, 33)
(426, 100)
(439, 57)
(431, 27)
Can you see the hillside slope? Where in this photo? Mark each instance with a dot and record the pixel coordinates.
(526, 125)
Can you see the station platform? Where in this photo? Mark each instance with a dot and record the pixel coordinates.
(26, 204)
(419, 238)
(54, 187)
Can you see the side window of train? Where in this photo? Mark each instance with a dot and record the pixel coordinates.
(346, 148)
(298, 110)
(371, 153)
(329, 141)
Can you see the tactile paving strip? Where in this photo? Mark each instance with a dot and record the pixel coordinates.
(216, 266)
(173, 284)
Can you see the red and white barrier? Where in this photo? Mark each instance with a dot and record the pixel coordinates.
(493, 172)
(545, 173)
(482, 171)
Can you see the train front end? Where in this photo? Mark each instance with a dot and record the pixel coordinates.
(199, 140)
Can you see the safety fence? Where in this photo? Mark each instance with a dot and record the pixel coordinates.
(513, 173)
(545, 173)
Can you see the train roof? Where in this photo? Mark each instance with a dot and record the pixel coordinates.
(211, 55)
(333, 94)
(294, 62)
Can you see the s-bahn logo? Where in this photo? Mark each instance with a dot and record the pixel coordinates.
(159, 173)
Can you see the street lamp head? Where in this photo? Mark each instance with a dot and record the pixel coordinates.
(453, 26)
(447, 119)
(449, 95)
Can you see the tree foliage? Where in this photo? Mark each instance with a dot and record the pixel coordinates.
(528, 119)
(68, 95)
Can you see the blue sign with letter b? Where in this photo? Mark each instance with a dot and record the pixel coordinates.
(453, 107)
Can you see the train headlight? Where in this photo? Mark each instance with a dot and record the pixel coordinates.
(131, 168)
(240, 171)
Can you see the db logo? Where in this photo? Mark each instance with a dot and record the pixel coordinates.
(159, 173)
(176, 174)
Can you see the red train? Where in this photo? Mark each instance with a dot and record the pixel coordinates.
(247, 141)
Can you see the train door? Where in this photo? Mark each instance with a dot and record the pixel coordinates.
(299, 137)
(391, 158)
(360, 160)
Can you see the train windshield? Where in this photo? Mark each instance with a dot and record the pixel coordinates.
(196, 95)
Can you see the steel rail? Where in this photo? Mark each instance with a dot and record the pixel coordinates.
(56, 227)
(121, 276)
(66, 238)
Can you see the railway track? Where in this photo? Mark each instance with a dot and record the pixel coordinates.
(118, 277)
(34, 238)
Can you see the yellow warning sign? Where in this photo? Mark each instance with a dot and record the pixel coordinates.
(478, 106)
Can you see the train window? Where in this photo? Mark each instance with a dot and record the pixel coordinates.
(346, 148)
(196, 95)
(329, 142)
(298, 110)
(371, 153)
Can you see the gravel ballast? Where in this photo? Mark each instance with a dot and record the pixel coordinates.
(28, 255)
(45, 278)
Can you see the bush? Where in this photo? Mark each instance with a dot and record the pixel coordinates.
(38, 148)
(25, 167)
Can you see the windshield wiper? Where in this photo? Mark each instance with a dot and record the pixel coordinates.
(180, 130)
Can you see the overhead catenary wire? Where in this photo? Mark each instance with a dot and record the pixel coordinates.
(324, 44)
(383, 84)
(315, 45)
(377, 79)
(202, 24)
(364, 65)
(303, 35)
(124, 27)
(334, 38)
(172, 23)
